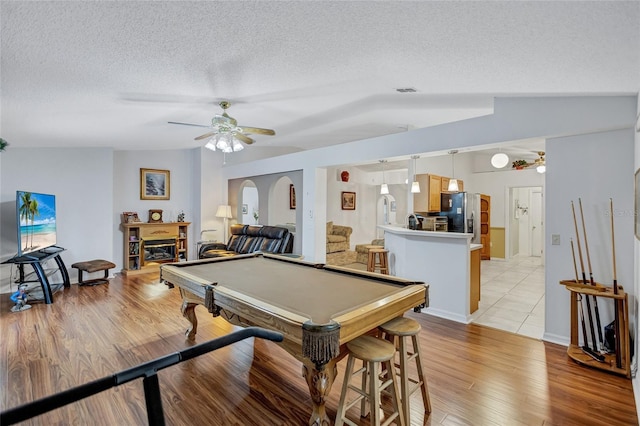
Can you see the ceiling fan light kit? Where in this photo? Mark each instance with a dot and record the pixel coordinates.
(225, 133)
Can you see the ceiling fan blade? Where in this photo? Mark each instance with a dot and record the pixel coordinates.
(244, 138)
(188, 124)
(205, 136)
(258, 130)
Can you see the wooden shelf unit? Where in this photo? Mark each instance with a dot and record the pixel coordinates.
(575, 352)
(135, 234)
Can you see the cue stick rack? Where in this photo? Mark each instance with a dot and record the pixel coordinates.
(575, 352)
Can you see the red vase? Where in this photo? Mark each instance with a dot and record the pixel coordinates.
(344, 176)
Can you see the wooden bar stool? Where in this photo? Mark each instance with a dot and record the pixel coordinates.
(378, 259)
(373, 353)
(402, 328)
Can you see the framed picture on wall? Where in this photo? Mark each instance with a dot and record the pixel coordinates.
(292, 197)
(245, 209)
(348, 200)
(154, 184)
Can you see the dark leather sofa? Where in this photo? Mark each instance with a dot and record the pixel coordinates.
(250, 239)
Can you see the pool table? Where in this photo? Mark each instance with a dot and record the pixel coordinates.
(318, 308)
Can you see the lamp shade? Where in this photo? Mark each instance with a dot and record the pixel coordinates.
(453, 185)
(415, 187)
(499, 160)
(541, 169)
(384, 189)
(224, 211)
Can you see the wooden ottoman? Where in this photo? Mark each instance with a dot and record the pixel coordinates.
(93, 266)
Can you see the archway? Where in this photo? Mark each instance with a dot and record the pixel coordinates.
(248, 204)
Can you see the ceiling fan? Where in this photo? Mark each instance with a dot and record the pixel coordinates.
(539, 163)
(225, 132)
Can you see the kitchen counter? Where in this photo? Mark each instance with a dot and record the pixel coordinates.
(444, 261)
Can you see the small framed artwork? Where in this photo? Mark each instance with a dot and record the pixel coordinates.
(637, 205)
(130, 217)
(348, 200)
(292, 197)
(154, 184)
(392, 206)
(245, 209)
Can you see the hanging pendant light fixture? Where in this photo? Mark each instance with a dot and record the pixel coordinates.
(453, 182)
(415, 186)
(384, 188)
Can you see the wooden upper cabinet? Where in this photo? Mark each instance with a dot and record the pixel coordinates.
(444, 187)
(428, 199)
(435, 185)
(431, 187)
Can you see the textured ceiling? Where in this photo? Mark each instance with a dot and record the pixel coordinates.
(113, 73)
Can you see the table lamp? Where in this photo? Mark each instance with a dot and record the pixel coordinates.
(225, 213)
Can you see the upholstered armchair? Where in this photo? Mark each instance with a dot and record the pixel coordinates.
(338, 237)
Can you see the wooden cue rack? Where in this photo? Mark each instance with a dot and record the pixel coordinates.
(575, 352)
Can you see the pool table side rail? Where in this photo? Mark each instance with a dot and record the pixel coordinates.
(355, 323)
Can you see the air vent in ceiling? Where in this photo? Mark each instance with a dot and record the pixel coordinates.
(406, 90)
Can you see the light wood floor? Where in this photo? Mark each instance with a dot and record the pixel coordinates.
(477, 375)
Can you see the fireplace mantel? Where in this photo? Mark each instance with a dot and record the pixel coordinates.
(137, 234)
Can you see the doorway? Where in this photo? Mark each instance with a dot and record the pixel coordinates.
(525, 227)
(385, 213)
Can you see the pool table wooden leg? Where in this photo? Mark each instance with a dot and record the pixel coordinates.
(189, 312)
(319, 382)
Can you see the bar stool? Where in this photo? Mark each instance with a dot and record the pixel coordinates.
(373, 353)
(378, 259)
(401, 328)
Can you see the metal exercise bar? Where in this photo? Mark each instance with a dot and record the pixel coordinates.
(147, 370)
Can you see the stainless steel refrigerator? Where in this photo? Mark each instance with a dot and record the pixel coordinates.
(463, 212)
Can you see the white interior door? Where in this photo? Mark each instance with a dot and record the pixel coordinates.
(536, 223)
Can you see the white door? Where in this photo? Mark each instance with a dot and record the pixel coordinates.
(536, 223)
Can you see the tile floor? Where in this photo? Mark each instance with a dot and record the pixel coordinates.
(512, 295)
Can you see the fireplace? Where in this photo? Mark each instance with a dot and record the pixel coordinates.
(159, 250)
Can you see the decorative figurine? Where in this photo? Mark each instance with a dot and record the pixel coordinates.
(181, 216)
(20, 299)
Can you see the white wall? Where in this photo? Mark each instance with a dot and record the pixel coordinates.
(602, 168)
(633, 309)
(82, 181)
(126, 197)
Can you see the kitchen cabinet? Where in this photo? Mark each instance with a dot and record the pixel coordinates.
(428, 199)
(431, 187)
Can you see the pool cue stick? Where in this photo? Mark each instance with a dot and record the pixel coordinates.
(616, 310)
(595, 299)
(575, 266)
(584, 278)
(592, 353)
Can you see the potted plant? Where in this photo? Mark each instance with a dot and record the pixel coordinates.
(519, 164)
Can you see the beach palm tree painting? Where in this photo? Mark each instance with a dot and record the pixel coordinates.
(37, 221)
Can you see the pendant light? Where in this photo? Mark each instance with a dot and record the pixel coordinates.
(384, 188)
(453, 182)
(415, 186)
